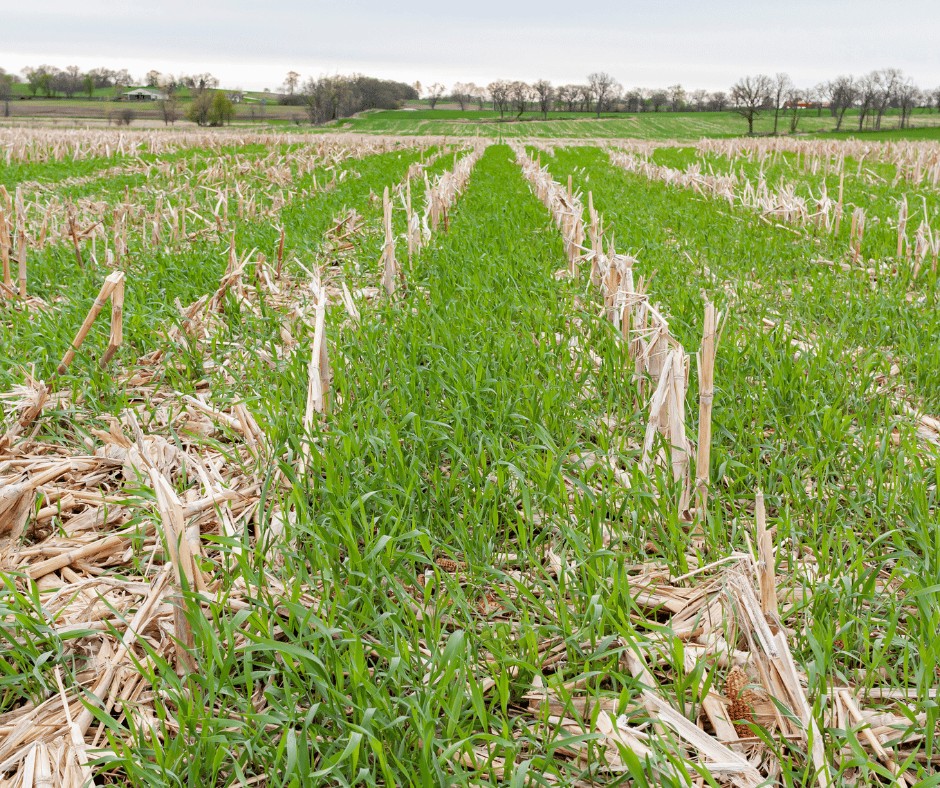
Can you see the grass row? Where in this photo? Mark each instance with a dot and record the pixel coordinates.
(847, 481)
(157, 277)
(457, 415)
(869, 184)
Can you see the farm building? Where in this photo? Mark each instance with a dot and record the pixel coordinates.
(144, 94)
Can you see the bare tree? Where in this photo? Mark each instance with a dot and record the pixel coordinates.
(461, 94)
(887, 82)
(435, 94)
(603, 88)
(719, 101)
(841, 93)
(67, 81)
(795, 103)
(291, 81)
(123, 79)
(6, 91)
(782, 84)
(908, 97)
(170, 109)
(867, 97)
(499, 95)
(102, 77)
(749, 96)
(585, 97)
(676, 97)
(566, 97)
(152, 78)
(545, 94)
(699, 99)
(520, 93)
(478, 94)
(815, 96)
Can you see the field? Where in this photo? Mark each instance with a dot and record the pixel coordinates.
(333, 459)
(270, 115)
(644, 125)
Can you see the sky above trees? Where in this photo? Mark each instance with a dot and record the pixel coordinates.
(700, 45)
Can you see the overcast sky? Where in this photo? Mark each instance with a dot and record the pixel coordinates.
(654, 43)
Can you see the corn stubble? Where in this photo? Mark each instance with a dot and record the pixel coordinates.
(333, 494)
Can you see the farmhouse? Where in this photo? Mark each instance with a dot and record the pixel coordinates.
(144, 94)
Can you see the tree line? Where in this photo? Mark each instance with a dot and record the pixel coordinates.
(47, 81)
(329, 98)
(872, 95)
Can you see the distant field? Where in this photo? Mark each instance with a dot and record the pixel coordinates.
(645, 125)
(471, 123)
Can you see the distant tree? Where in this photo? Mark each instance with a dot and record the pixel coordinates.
(435, 94)
(88, 85)
(123, 117)
(417, 87)
(291, 81)
(676, 97)
(321, 97)
(479, 95)
(6, 91)
(32, 79)
(102, 77)
(603, 88)
(585, 98)
(520, 93)
(169, 106)
(47, 83)
(40, 80)
(908, 97)
(719, 101)
(330, 98)
(152, 78)
(633, 100)
(460, 93)
(793, 101)
(544, 93)
(935, 98)
(222, 110)
(816, 96)
(200, 82)
(122, 78)
(782, 85)
(749, 96)
(658, 98)
(867, 98)
(699, 99)
(887, 83)
(499, 95)
(68, 81)
(841, 93)
(566, 97)
(199, 108)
